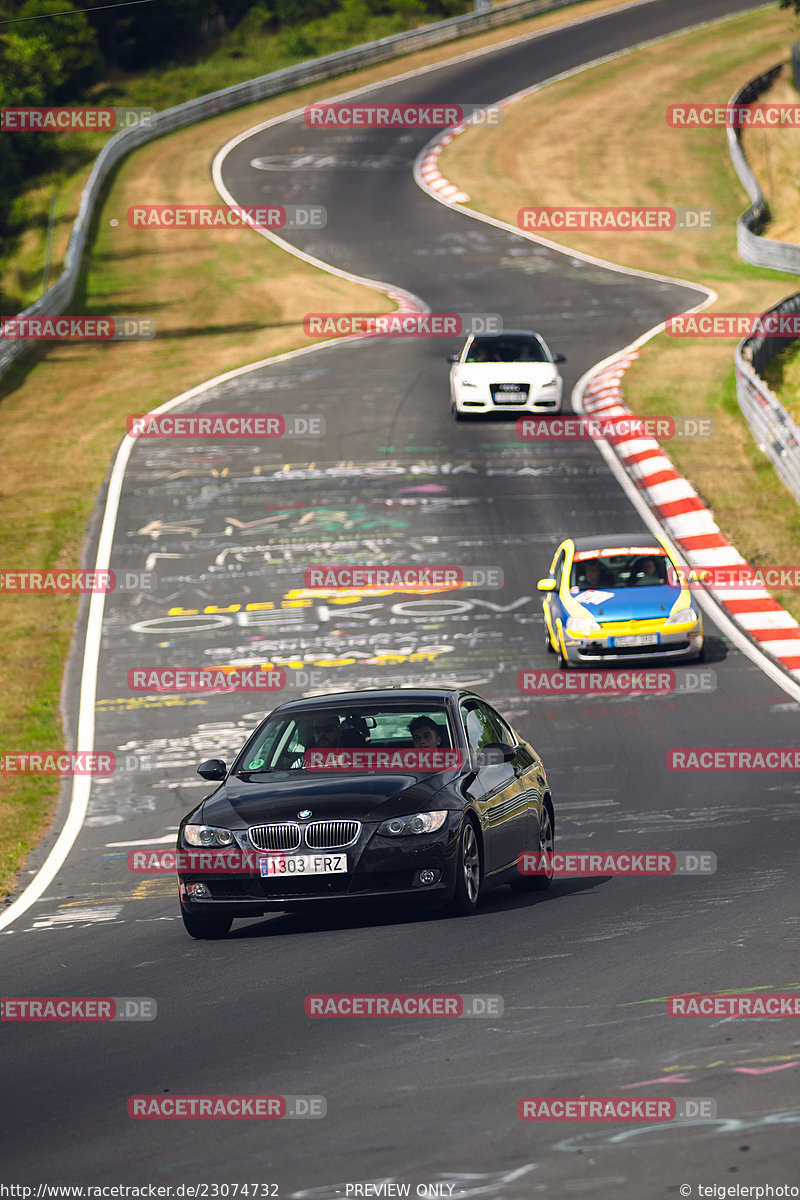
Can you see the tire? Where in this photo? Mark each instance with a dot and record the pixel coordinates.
(539, 883)
(548, 645)
(206, 928)
(468, 873)
(563, 661)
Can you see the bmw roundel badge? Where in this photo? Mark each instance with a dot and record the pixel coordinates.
(304, 812)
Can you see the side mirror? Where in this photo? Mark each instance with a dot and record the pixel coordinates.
(494, 753)
(559, 358)
(453, 358)
(212, 769)
(546, 585)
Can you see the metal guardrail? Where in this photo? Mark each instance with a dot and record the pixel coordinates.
(753, 248)
(57, 298)
(772, 427)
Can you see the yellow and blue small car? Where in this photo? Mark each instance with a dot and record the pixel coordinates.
(619, 597)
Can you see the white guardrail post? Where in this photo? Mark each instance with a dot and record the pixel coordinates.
(57, 298)
(772, 427)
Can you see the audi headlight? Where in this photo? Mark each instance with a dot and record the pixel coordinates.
(582, 626)
(467, 383)
(682, 616)
(425, 822)
(550, 383)
(207, 835)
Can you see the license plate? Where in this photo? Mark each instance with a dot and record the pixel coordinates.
(637, 639)
(512, 397)
(303, 864)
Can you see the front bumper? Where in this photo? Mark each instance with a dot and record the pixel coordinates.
(681, 644)
(379, 868)
(480, 400)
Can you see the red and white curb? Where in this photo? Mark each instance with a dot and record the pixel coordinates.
(689, 524)
(429, 171)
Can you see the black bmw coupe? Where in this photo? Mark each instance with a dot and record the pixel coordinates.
(411, 794)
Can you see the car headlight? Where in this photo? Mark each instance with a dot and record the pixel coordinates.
(207, 835)
(550, 383)
(467, 383)
(582, 626)
(424, 822)
(682, 616)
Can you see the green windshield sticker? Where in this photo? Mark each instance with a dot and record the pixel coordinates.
(255, 764)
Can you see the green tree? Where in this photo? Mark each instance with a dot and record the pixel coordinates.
(30, 72)
(72, 40)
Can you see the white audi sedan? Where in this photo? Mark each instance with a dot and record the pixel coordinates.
(501, 372)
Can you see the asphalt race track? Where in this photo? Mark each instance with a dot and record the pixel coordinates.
(227, 529)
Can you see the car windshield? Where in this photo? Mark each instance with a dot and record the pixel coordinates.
(506, 350)
(280, 744)
(623, 571)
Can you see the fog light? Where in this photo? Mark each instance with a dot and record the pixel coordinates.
(199, 891)
(428, 876)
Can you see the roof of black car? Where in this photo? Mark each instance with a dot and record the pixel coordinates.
(402, 696)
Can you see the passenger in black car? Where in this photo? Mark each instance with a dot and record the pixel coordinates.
(425, 733)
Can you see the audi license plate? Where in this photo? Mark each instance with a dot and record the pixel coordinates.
(637, 639)
(303, 864)
(511, 397)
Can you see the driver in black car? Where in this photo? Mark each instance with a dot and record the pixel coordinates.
(325, 732)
